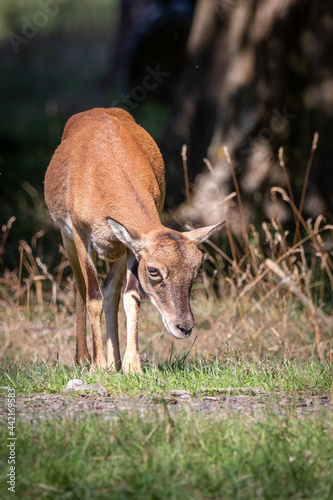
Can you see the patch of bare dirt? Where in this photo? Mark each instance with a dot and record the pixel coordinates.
(76, 404)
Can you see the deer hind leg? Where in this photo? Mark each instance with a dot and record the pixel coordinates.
(131, 299)
(82, 354)
(94, 299)
(111, 292)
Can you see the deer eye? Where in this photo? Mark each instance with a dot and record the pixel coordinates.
(153, 272)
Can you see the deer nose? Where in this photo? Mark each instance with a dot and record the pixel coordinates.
(185, 329)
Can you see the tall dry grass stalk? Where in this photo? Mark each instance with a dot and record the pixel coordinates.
(306, 180)
(187, 184)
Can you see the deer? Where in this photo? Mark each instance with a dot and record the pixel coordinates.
(105, 189)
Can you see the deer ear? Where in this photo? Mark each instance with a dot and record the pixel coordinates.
(201, 234)
(130, 239)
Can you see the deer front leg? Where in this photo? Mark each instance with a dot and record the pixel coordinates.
(111, 292)
(82, 353)
(94, 296)
(131, 299)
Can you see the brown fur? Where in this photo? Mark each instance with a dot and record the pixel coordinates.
(105, 188)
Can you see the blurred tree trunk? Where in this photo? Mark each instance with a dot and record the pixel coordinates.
(259, 75)
(150, 33)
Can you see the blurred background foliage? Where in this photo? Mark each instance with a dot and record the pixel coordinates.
(252, 75)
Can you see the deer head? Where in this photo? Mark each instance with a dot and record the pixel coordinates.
(168, 263)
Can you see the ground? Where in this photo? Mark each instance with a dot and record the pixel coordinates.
(254, 404)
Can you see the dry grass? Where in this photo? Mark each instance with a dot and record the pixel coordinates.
(269, 297)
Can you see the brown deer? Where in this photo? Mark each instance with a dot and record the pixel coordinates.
(105, 188)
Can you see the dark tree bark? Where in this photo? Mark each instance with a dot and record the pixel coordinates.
(259, 75)
(151, 33)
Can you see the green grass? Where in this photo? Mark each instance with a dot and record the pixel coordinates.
(176, 374)
(183, 456)
(164, 454)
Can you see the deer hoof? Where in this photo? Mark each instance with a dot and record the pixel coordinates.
(132, 364)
